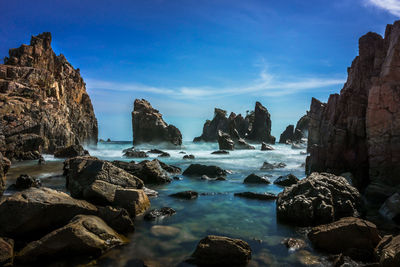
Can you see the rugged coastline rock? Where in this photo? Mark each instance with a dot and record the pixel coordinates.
(5, 165)
(388, 251)
(255, 179)
(37, 92)
(6, 251)
(157, 214)
(25, 181)
(149, 127)
(70, 152)
(200, 170)
(286, 180)
(358, 130)
(295, 135)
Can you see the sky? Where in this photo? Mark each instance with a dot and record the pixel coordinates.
(189, 56)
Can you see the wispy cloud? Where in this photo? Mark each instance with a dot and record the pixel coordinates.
(266, 85)
(392, 6)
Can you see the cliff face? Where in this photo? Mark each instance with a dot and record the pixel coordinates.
(358, 130)
(43, 102)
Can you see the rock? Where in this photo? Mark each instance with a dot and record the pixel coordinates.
(242, 144)
(220, 152)
(25, 181)
(388, 251)
(158, 214)
(133, 153)
(169, 168)
(155, 151)
(221, 251)
(164, 231)
(188, 157)
(294, 244)
(5, 165)
(210, 129)
(108, 140)
(70, 152)
(117, 218)
(185, 195)
(350, 236)
(135, 201)
(357, 131)
(261, 126)
(182, 152)
(319, 198)
(391, 208)
(269, 166)
(199, 170)
(39, 91)
(258, 196)
(255, 179)
(298, 146)
(84, 235)
(265, 147)
(287, 135)
(150, 192)
(205, 177)
(37, 211)
(149, 127)
(225, 142)
(41, 160)
(286, 180)
(164, 155)
(6, 251)
(97, 180)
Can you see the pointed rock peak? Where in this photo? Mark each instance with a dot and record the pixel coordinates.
(143, 105)
(219, 112)
(43, 40)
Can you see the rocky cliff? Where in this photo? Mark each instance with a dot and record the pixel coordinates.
(149, 126)
(358, 130)
(43, 102)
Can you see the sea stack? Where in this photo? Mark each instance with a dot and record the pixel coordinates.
(358, 130)
(43, 102)
(149, 127)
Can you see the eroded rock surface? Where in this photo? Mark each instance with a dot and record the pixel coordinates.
(5, 165)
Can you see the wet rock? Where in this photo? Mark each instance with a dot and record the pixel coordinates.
(25, 181)
(319, 198)
(391, 208)
(35, 211)
(39, 91)
(298, 146)
(199, 170)
(135, 201)
(287, 135)
(84, 235)
(221, 251)
(164, 231)
(70, 152)
(97, 180)
(182, 152)
(41, 160)
(205, 177)
(185, 195)
(261, 126)
(225, 142)
(169, 168)
(6, 251)
(156, 214)
(155, 151)
(5, 165)
(133, 153)
(149, 126)
(117, 218)
(255, 179)
(164, 155)
(388, 251)
(220, 152)
(266, 147)
(150, 192)
(350, 236)
(176, 178)
(188, 157)
(286, 180)
(294, 244)
(210, 129)
(258, 196)
(242, 144)
(270, 166)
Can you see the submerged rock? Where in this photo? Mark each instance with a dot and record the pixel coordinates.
(350, 236)
(25, 181)
(220, 152)
(270, 166)
(266, 147)
(286, 180)
(164, 231)
(221, 251)
(319, 198)
(185, 195)
(149, 127)
(70, 152)
(133, 153)
(199, 170)
(255, 179)
(6, 251)
(164, 155)
(156, 214)
(117, 218)
(259, 196)
(5, 165)
(188, 157)
(83, 236)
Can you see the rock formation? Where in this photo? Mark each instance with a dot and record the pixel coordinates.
(4, 166)
(149, 127)
(260, 128)
(358, 130)
(295, 135)
(43, 102)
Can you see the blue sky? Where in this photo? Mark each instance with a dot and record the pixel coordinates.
(188, 56)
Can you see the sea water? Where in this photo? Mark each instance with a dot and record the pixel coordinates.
(217, 211)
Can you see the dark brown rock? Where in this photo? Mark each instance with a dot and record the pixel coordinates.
(294, 244)
(6, 251)
(255, 179)
(5, 165)
(258, 196)
(266, 147)
(261, 126)
(199, 170)
(287, 135)
(319, 198)
(118, 218)
(220, 152)
(210, 129)
(185, 195)
(134, 153)
(149, 127)
(286, 180)
(38, 91)
(388, 251)
(25, 181)
(157, 214)
(270, 166)
(70, 152)
(224, 141)
(188, 157)
(350, 236)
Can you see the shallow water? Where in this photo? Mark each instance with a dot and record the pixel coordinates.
(217, 212)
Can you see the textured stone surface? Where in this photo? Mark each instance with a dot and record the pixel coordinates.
(149, 127)
(200, 170)
(261, 125)
(286, 180)
(255, 179)
(319, 198)
(6, 251)
(38, 91)
(388, 251)
(5, 165)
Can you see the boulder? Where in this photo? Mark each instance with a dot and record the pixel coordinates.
(135, 201)
(258, 196)
(387, 252)
(221, 251)
(255, 179)
(25, 181)
(164, 155)
(188, 157)
(117, 218)
(261, 125)
(319, 198)
(225, 142)
(149, 126)
(350, 236)
(155, 151)
(134, 153)
(294, 244)
(6, 251)
(158, 214)
(199, 170)
(39, 91)
(286, 180)
(220, 152)
(270, 166)
(185, 195)
(169, 168)
(242, 144)
(391, 208)
(70, 152)
(287, 135)
(5, 165)
(266, 147)
(83, 236)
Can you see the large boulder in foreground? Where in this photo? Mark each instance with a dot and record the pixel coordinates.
(221, 251)
(35, 211)
(317, 199)
(350, 236)
(149, 127)
(200, 170)
(387, 252)
(4, 167)
(83, 236)
(44, 103)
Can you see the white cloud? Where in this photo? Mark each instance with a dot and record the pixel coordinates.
(265, 85)
(392, 6)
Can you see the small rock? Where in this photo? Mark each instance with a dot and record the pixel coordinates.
(176, 178)
(199, 170)
(133, 153)
(258, 196)
(164, 231)
(25, 181)
(164, 155)
(220, 152)
(185, 195)
(150, 192)
(182, 152)
(155, 151)
(255, 179)
(188, 157)
(286, 180)
(269, 166)
(265, 147)
(41, 160)
(294, 244)
(159, 213)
